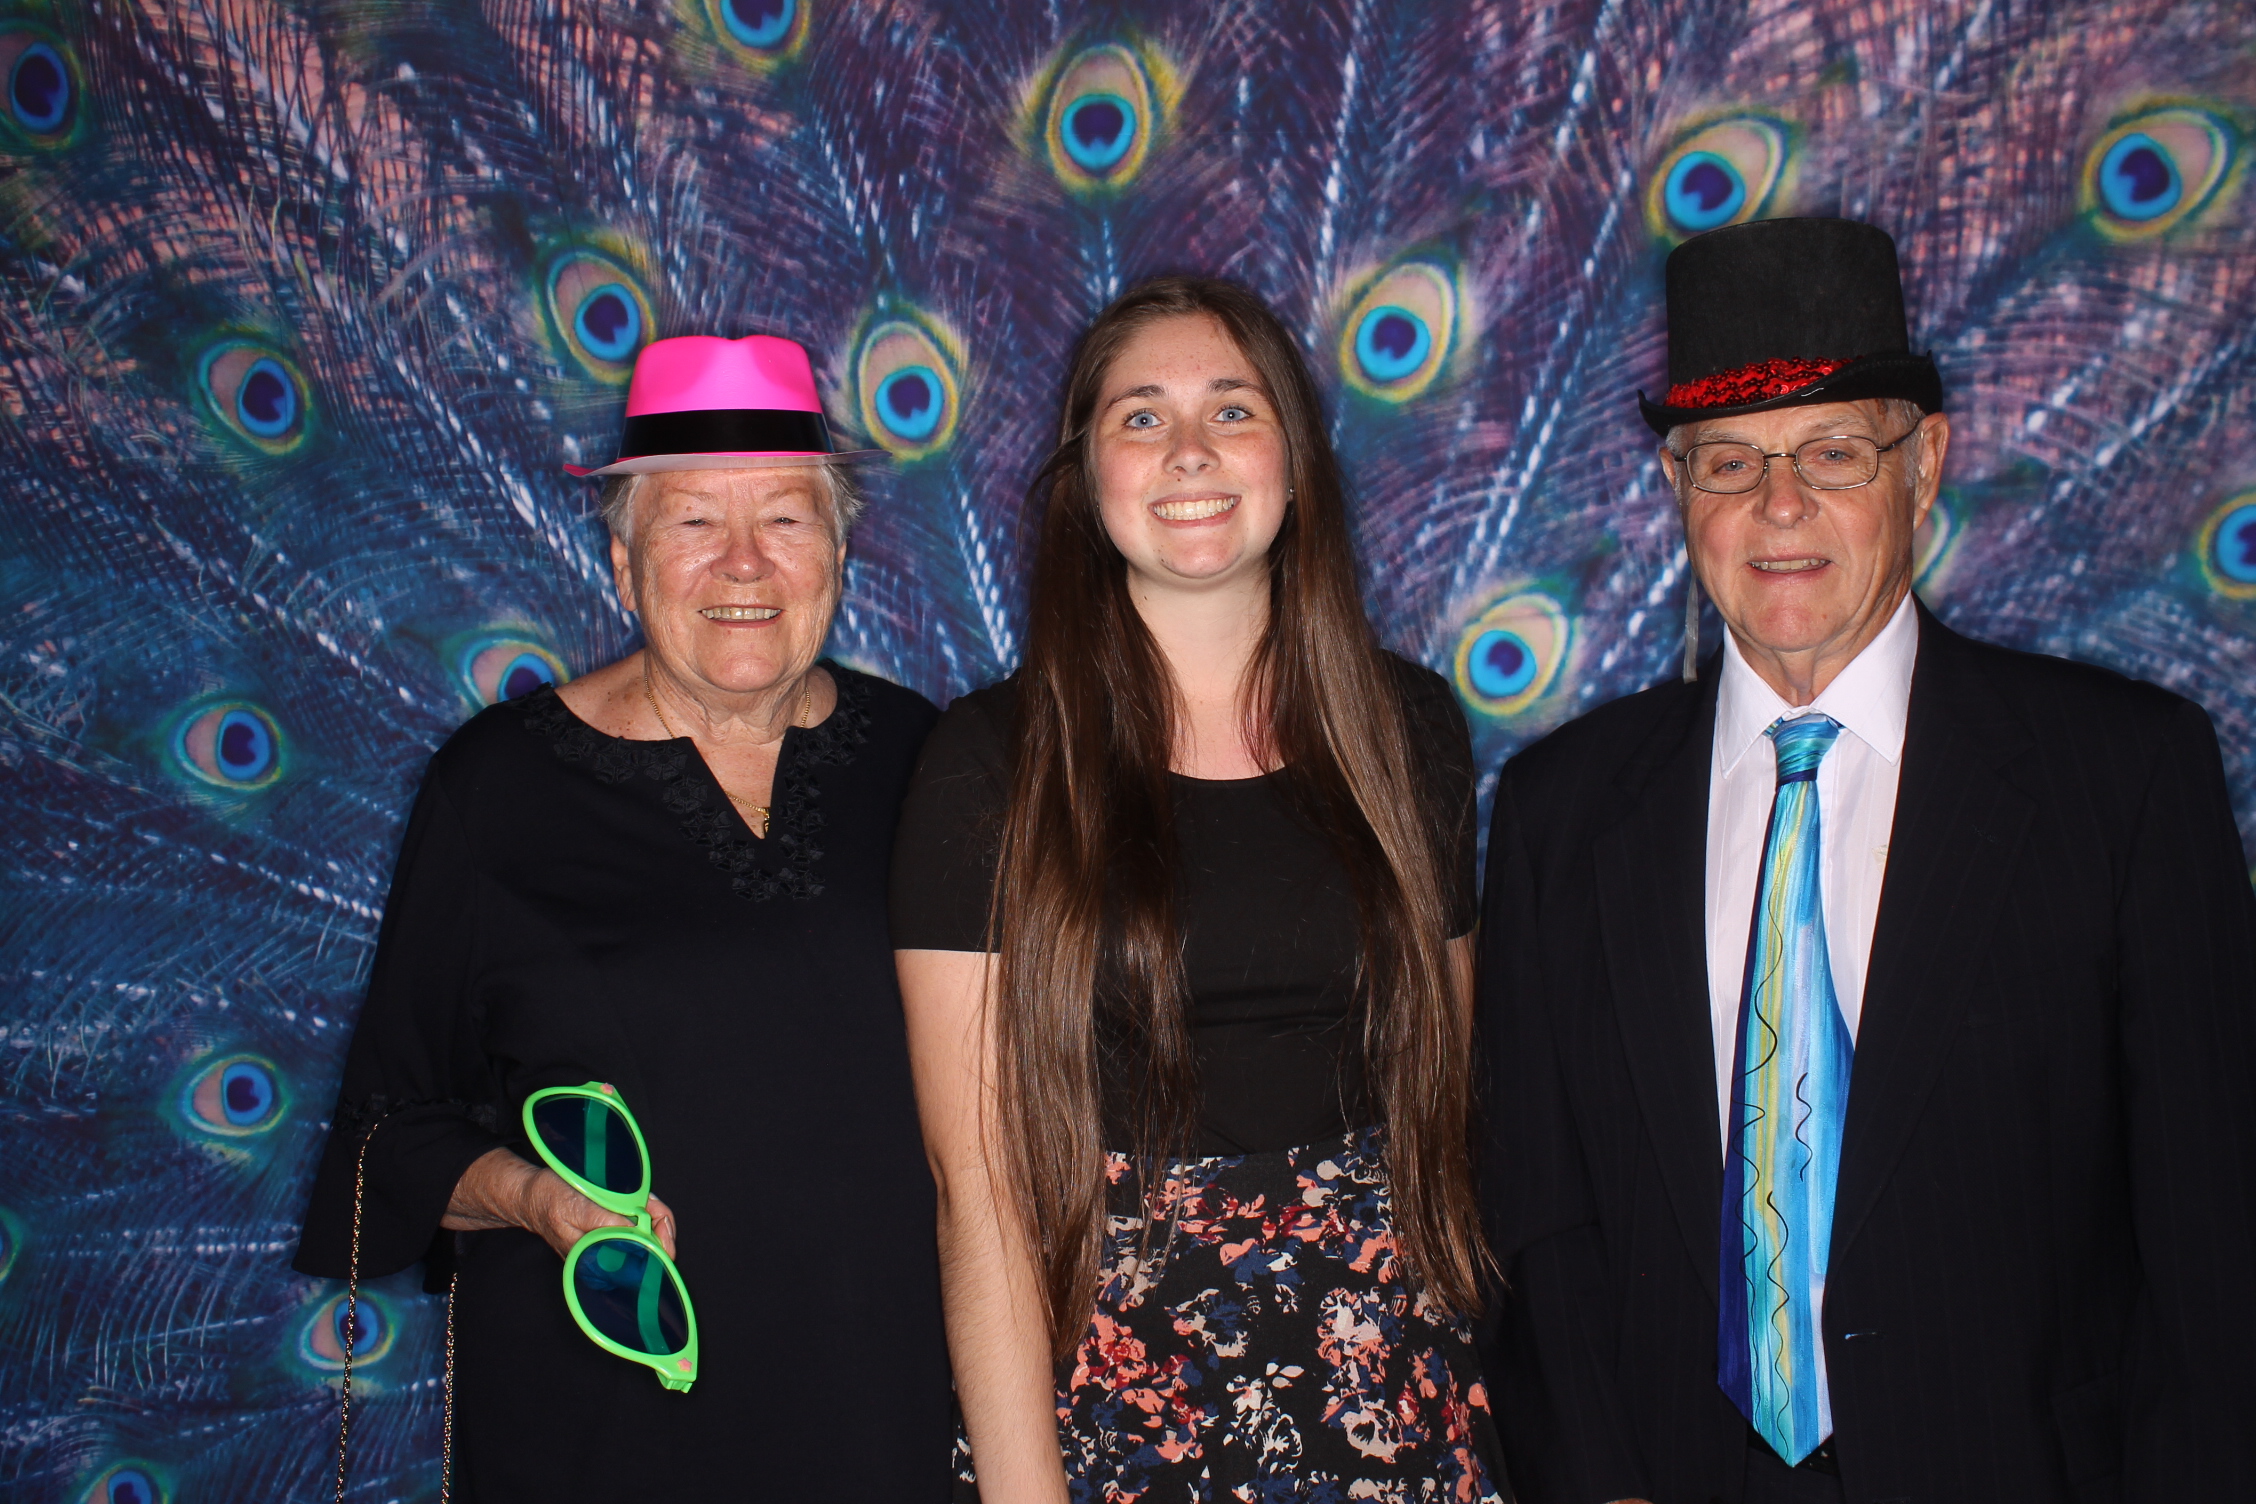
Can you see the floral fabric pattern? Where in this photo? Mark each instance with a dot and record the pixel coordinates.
(1258, 1344)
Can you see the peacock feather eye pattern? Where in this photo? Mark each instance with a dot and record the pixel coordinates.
(322, 1337)
(233, 745)
(1721, 173)
(762, 34)
(1936, 542)
(1511, 654)
(1108, 106)
(127, 1483)
(498, 668)
(597, 310)
(2226, 548)
(2152, 172)
(1401, 329)
(907, 381)
(257, 393)
(234, 1096)
(45, 90)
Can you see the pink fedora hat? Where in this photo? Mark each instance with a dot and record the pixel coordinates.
(700, 402)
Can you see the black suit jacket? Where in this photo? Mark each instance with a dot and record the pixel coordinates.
(2043, 1272)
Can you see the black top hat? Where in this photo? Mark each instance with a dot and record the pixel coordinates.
(1783, 313)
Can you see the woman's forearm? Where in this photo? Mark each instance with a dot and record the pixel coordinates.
(999, 1346)
(490, 1194)
(997, 1337)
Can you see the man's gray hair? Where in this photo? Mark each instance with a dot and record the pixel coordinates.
(616, 501)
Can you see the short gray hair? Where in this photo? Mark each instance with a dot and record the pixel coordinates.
(616, 501)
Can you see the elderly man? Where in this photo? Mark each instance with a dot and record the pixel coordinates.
(1871, 1020)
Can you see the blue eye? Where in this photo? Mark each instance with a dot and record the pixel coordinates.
(759, 23)
(1102, 116)
(257, 393)
(1099, 128)
(1143, 420)
(608, 322)
(600, 311)
(506, 668)
(906, 375)
(238, 1095)
(2138, 180)
(1392, 342)
(126, 1485)
(1400, 330)
(1510, 657)
(1721, 174)
(1501, 664)
(1233, 414)
(2236, 545)
(1704, 191)
(909, 402)
(233, 745)
(322, 1340)
(39, 90)
(2149, 173)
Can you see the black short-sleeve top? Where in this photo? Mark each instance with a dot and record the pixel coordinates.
(1269, 921)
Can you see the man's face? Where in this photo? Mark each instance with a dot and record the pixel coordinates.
(1799, 571)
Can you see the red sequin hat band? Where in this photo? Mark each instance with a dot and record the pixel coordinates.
(1759, 382)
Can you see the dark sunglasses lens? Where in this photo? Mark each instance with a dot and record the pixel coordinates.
(592, 1140)
(630, 1297)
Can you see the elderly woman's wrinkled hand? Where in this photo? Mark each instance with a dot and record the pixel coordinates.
(503, 1190)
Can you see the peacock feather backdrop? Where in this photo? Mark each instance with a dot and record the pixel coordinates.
(304, 302)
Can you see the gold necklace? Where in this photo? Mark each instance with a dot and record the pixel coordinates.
(806, 707)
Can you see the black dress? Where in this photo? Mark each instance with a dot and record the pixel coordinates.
(571, 906)
(1275, 1351)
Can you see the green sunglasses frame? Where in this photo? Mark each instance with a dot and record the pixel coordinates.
(678, 1370)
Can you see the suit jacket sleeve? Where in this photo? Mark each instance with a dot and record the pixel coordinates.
(2187, 948)
(1567, 1439)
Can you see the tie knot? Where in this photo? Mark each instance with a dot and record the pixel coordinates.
(1801, 744)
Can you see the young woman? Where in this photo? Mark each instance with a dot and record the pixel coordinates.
(1181, 912)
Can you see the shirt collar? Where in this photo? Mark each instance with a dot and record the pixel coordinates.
(1871, 698)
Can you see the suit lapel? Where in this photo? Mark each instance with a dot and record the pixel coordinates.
(1652, 878)
(1958, 830)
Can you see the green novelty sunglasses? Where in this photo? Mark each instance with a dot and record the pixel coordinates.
(623, 1290)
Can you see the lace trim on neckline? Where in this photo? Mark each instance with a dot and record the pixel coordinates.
(795, 818)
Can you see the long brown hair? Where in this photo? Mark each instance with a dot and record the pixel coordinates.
(1091, 980)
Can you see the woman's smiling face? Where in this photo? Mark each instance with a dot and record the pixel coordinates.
(1189, 458)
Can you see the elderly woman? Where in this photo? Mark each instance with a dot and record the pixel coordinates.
(667, 876)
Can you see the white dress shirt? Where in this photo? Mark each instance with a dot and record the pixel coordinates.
(1856, 803)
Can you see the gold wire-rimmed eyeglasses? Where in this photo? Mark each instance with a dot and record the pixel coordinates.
(1839, 462)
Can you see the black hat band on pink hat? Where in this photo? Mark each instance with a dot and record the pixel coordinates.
(1784, 313)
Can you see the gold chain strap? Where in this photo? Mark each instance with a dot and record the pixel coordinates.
(352, 1341)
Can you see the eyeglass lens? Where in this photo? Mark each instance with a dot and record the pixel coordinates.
(630, 1297)
(1832, 464)
(592, 1140)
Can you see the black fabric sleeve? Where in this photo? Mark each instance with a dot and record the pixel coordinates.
(2186, 928)
(1443, 745)
(417, 1088)
(945, 850)
(1565, 1425)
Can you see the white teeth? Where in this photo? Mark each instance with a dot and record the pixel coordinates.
(741, 613)
(1787, 566)
(1193, 511)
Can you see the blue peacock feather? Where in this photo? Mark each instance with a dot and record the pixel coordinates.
(302, 308)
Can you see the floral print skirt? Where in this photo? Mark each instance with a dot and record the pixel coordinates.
(1259, 1345)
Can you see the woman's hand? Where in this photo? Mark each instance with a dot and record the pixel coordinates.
(502, 1190)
